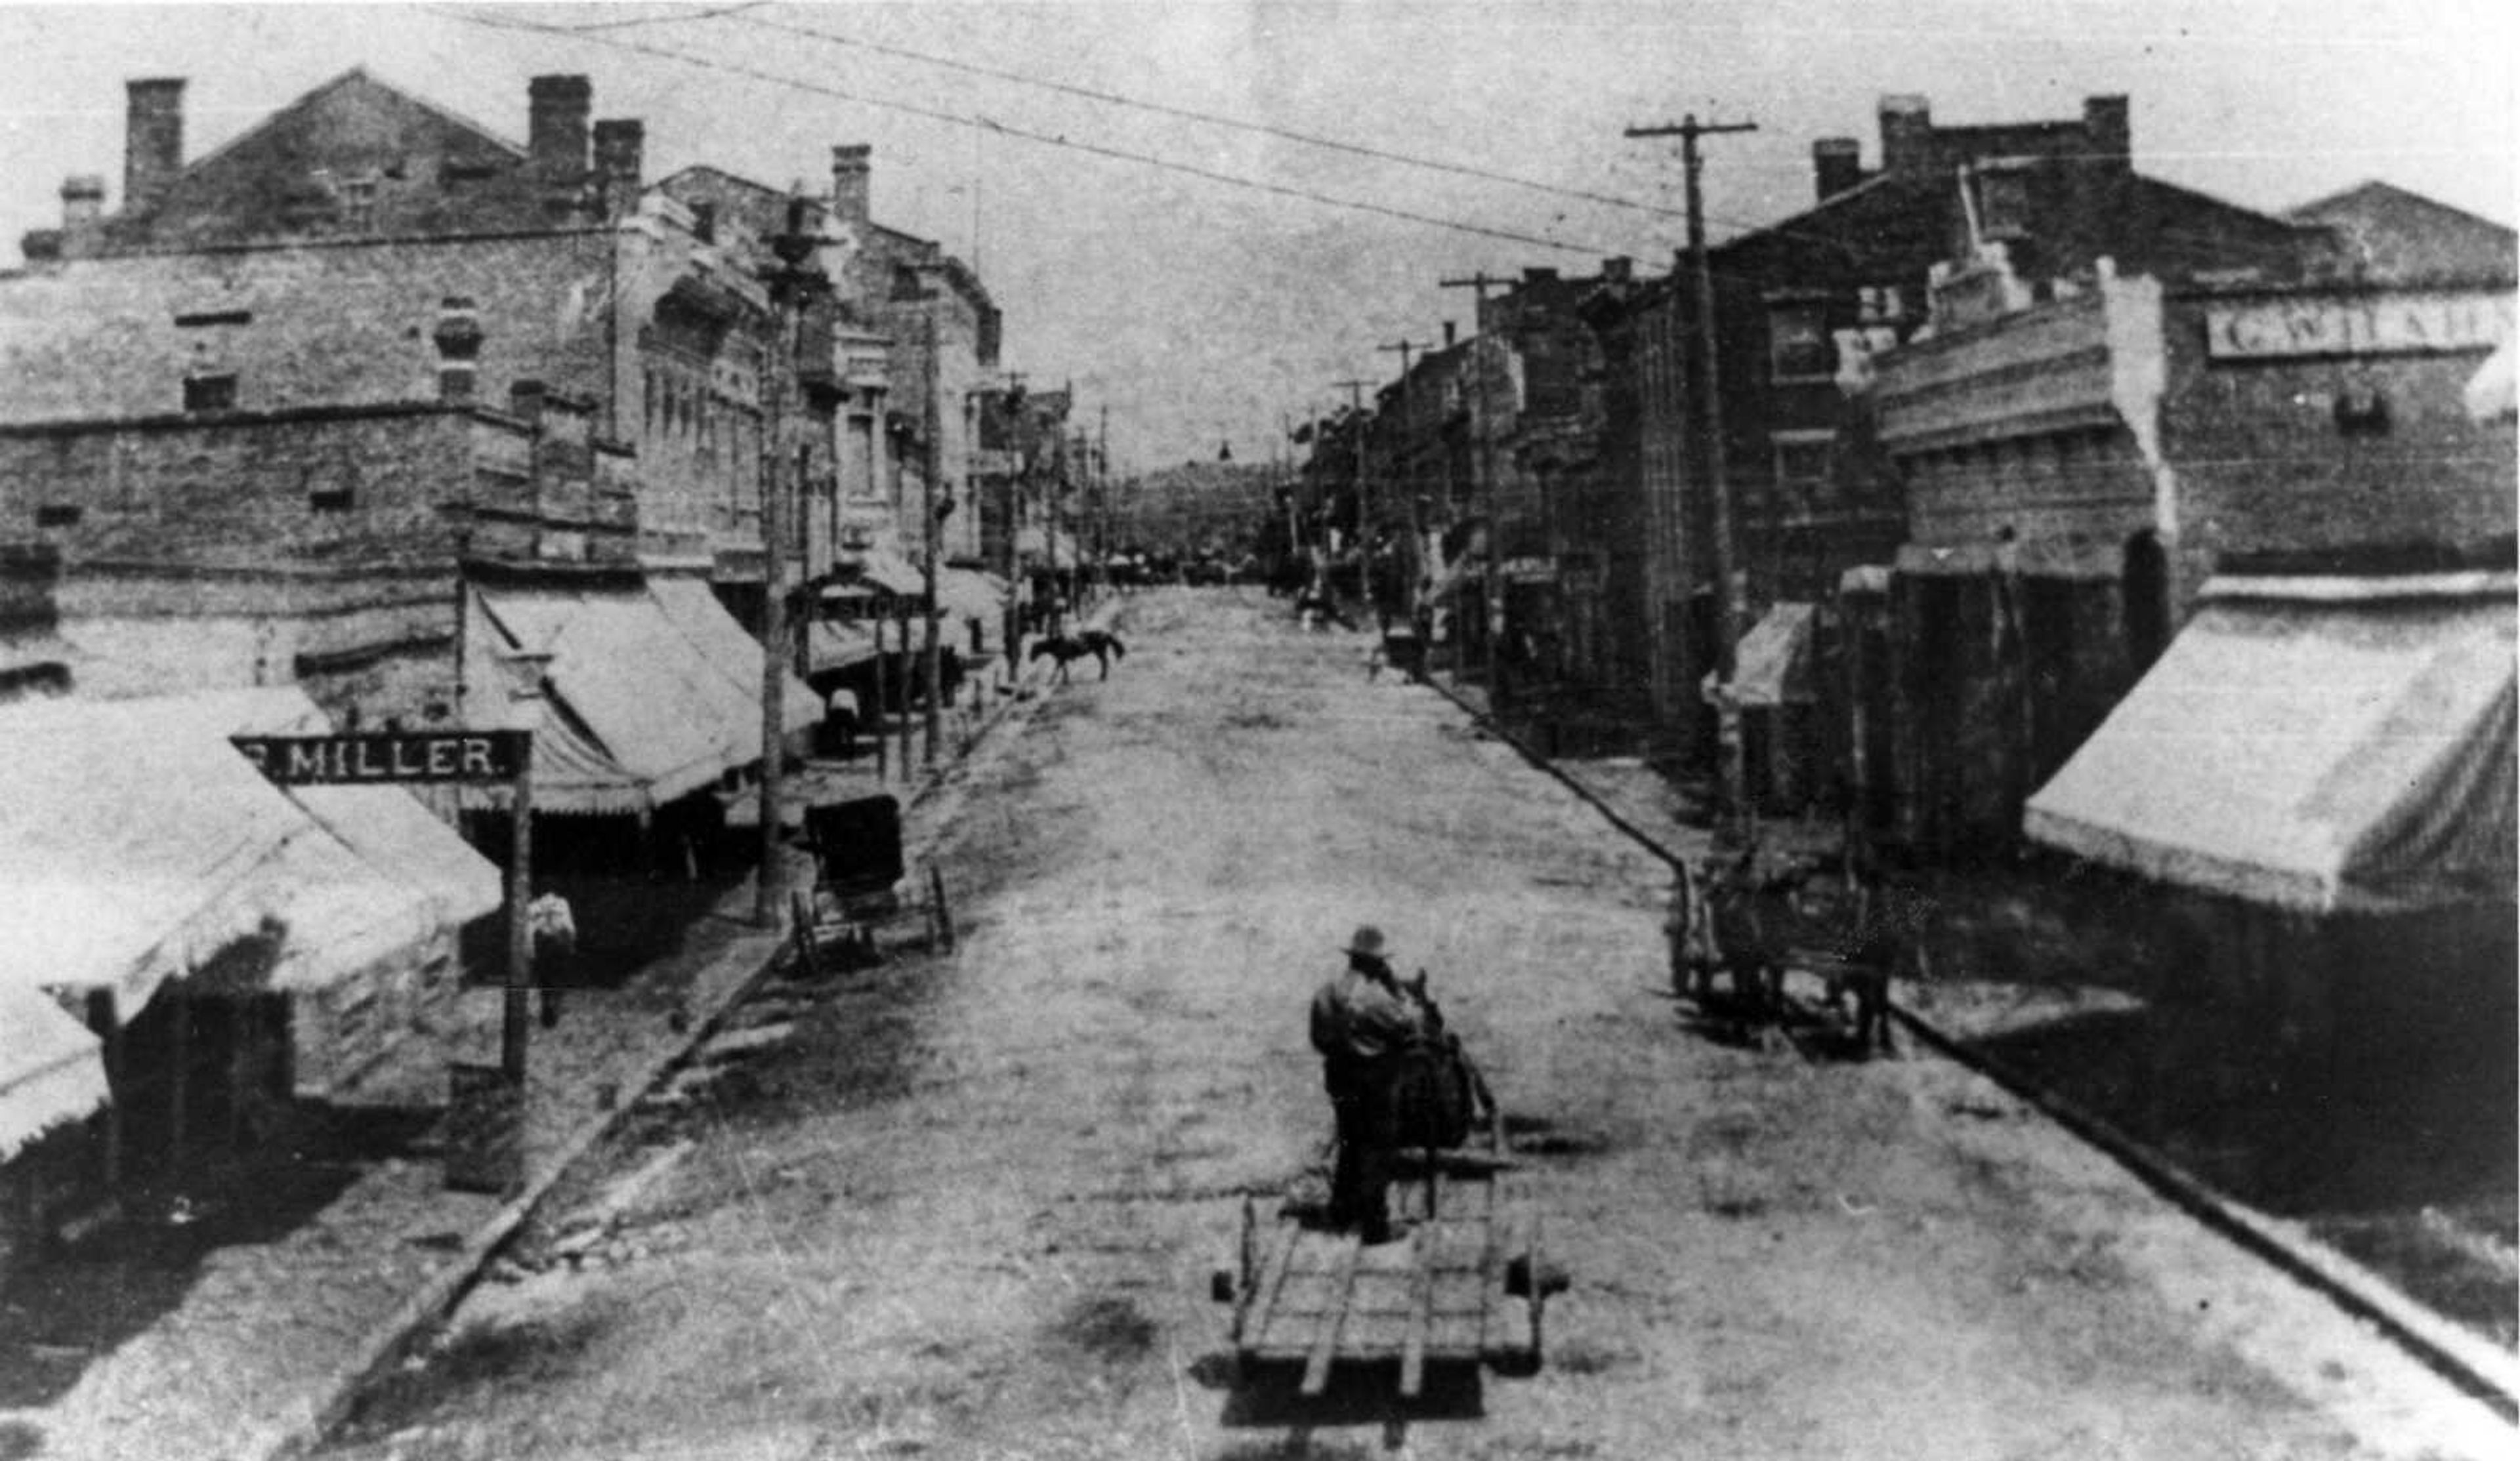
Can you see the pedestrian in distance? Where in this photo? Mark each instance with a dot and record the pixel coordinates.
(1364, 1024)
(553, 927)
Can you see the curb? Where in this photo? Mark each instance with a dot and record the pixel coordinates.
(2470, 1364)
(306, 1422)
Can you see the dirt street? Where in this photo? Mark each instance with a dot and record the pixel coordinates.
(971, 1206)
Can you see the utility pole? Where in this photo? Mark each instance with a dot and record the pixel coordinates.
(1364, 501)
(1408, 480)
(931, 671)
(1710, 434)
(793, 281)
(1491, 591)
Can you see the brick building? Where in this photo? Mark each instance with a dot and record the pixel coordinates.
(2078, 469)
(1801, 305)
(306, 427)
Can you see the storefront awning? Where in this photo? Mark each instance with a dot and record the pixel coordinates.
(1771, 666)
(2320, 745)
(388, 826)
(651, 693)
(968, 594)
(890, 573)
(51, 1069)
(832, 644)
(138, 845)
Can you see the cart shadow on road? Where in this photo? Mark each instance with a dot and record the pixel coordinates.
(1268, 1394)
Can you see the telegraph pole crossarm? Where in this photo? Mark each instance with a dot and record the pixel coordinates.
(1709, 415)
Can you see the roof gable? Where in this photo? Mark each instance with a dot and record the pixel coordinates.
(353, 154)
(2393, 236)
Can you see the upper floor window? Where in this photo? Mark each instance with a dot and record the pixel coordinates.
(2003, 202)
(1879, 304)
(359, 204)
(210, 392)
(1802, 457)
(1799, 347)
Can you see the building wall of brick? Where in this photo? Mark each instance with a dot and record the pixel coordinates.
(322, 547)
(353, 323)
(2272, 458)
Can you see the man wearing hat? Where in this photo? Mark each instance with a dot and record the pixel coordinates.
(1363, 1022)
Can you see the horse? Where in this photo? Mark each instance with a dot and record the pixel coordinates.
(1738, 919)
(1105, 647)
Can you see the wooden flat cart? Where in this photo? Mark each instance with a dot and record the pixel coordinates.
(1459, 1289)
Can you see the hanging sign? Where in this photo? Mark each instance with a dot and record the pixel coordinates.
(401, 756)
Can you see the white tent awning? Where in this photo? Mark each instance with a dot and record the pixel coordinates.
(2325, 746)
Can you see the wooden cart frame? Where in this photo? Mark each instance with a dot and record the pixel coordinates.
(1459, 1289)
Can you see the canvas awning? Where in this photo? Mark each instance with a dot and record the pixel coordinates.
(137, 845)
(968, 594)
(52, 1068)
(891, 572)
(832, 644)
(1771, 666)
(650, 693)
(388, 826)
(2318, 745)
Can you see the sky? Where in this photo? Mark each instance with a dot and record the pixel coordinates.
(1145, 190)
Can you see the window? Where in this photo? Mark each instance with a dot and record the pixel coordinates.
(359, 204)
(1798, 343)
(1879, 304)
(329, 500)
(210, 392)
(1802, 462)
(2003, 203)
(58, 514)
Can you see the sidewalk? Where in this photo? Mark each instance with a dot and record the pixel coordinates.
(272, 1337)
(1641, 803)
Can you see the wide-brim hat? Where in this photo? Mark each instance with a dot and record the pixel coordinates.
(1367, 941)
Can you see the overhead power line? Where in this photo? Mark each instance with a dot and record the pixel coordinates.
(1188, 113)
(1045, 139)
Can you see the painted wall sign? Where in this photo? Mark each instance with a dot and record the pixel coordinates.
(421, 756)
(2390, 323)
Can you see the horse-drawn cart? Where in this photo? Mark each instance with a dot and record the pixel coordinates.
(1459, 1289)
(1464, 1285)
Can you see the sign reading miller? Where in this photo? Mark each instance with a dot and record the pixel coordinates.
(401, 756)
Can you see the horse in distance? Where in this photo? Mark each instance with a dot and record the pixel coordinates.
(1066, 649)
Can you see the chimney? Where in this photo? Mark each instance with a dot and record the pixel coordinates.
(1537, 274)
(556, 110)
(620, 151)
(1449, 332)
(83, 201)
(1838, 165)
(1618, 270)
(852, 169)
(153, 146)
(2108, 133)
(1906, 136)
(525, 399)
